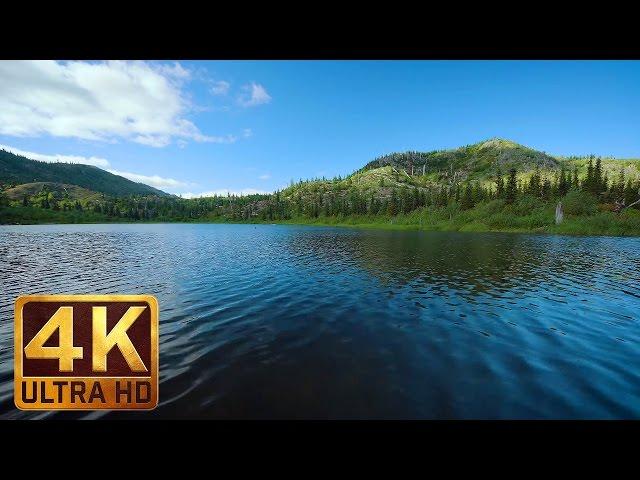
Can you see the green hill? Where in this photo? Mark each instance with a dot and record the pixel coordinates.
(16, 170)
(425, 171)
(494, 185)
(483, 160)
(478, 163)
(473, 162)
(59, 190)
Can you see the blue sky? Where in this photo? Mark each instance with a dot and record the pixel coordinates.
(195, 127)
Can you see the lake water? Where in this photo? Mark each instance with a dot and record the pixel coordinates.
(275, 321)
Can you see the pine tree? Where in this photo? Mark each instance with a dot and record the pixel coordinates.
(511, 190)
(597, 177)
(415, 200)
(546, 189)
(618, 190)
(587, 184)
(535, 186)
(467, 198)
(563, 185)
(631, 192)
(499, 184)
(442, 198)
(393, 204)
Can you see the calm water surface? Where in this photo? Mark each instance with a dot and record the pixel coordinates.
(306, 322)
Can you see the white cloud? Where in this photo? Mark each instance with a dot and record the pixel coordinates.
(220, 87)
(254, 94)
(153, 180)
(247, 132)
(176, 71)
(223, 192)
(133, 100)
(266, 176)
(95, 161)
(221, 139)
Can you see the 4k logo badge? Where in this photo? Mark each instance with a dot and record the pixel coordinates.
(86, 352)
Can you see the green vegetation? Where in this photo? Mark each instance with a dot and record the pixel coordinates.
(17, 170)
(495, 185)
(35, 215)
(474, 162)
(494, 215)
(58, 190)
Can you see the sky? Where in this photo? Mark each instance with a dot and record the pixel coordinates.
(201, 127)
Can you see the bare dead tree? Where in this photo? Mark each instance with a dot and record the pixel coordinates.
(630, 205)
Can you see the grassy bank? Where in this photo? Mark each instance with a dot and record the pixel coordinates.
(493, 216)
(601, 224)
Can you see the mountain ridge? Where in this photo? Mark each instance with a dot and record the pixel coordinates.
(493, 185)
(17, 169)
(486, 157)
(480, 162)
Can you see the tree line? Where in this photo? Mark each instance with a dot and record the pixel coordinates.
(340, 197)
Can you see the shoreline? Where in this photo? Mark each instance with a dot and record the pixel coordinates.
(362, 226)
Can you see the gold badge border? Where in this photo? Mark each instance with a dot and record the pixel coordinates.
(22, 300)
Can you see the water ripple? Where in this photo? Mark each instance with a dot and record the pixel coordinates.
(299, 322)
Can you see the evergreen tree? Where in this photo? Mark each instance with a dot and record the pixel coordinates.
(511, 189)
(631, 192)
(393, 204)
(546, 189)
(563, 185)
(597, 177)
(467, 198)
(499, 185)
(535, 187)
(618, 187)
(587, 184)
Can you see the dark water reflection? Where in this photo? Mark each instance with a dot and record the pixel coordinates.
(302, 322)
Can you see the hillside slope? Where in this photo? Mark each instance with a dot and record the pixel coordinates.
(473, 162)
(20, 170)
(59, 190)
(422, 172)
(459, 190)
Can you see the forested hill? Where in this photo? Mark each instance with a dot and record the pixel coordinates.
(492, 185)
(15, 169)
(473, 162)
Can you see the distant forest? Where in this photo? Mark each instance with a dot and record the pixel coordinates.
(335, 198)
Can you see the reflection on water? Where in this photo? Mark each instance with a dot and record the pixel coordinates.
(304, 322)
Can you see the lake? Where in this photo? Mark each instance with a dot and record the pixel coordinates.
(278, 321)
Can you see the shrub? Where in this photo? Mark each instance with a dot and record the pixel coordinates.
(606, 207)
(491, 207)
(525, 205)
(577, 202)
